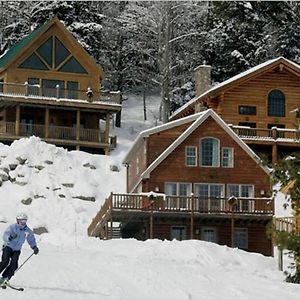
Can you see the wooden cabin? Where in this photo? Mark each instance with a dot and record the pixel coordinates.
(50, 87)
(262, 105)
(192, 178)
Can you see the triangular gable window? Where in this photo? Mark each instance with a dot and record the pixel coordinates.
(73, 66)
(47, 57)
(45, 51)
(61, 52)
(33, 62)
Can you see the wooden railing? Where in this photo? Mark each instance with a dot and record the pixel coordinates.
(287, 224)
(274, 134)
(174, 204)
(37, 91)
(100, 217)
(56, 132)
(196, 204)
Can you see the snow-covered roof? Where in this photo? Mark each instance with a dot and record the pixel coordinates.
(139, 139)
(201, 117)
(243, 75)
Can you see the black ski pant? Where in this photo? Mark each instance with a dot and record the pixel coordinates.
(9, 262)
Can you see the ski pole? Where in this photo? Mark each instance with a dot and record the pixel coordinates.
(24, 262)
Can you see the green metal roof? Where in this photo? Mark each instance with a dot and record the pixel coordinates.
(17, 48)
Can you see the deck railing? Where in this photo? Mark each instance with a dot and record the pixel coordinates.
(196, 204)
(37, 91)
(273, 134)
(55, 132)
(287, 224)
(174, 204)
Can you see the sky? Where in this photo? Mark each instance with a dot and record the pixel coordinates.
(48, 183)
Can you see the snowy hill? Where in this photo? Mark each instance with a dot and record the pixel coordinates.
(61, 191)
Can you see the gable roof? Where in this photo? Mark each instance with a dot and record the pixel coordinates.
(8, 57)
(238, 79)
(11, 53)
(197, 121)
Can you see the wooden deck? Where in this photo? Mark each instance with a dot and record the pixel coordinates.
(123, 207)
(268, 136)
(288, 224)
(58, 134)
(37, 92)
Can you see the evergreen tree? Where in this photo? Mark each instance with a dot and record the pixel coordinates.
(288, 171)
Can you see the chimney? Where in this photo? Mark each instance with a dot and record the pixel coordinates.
(202, 79)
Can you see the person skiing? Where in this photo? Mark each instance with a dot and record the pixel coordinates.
(14, 237)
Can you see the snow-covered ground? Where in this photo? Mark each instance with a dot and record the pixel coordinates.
(61, 191)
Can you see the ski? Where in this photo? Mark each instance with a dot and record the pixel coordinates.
(4, 286)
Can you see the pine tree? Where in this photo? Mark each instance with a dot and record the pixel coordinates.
(288, 171)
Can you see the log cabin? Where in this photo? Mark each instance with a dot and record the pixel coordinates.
(50, 87)
(192, 178)
(261, 104)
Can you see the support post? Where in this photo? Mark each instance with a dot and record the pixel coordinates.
(18, 112)
(47, 122)
(274, 153)
(78, 125)
(192, 217)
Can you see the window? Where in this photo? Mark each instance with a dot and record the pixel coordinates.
(72, 89)
(191, 156)
(177, 189)
(47, 57)
(33, 89)
(227, 157)
(247, 110)
(178, 233)
(208, 234)
(45, 51)
(242, 191)
(33, 62)
(210, 149)
(61, 52)
(209, 196)
(241, 238)
(73, 66)
(50, 90)
(276, 104)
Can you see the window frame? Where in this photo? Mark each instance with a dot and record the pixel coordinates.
(217, 165)
(230, 157)
(245, 108)
(191, 156)
(237, 234)
(275, 109)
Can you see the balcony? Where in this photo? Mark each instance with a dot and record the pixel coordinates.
(123, 207)
(65, 134)
(287, 224)
(15, 90)
(283, 135)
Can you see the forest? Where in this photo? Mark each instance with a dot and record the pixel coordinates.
(146, 45)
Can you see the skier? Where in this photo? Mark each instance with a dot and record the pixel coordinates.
(14, 237)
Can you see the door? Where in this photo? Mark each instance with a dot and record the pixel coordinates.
(178, 233)
(209, 234)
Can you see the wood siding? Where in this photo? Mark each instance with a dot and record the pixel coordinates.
(255, 93)
(173, 169)
(258, 240)
(137, 166)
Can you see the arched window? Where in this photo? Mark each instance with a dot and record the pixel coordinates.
(276, 104)
(210, 152)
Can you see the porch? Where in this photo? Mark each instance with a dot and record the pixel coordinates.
(274, 139)
(148, 209)
(63, 135)
(65, 117)
(36, 91)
